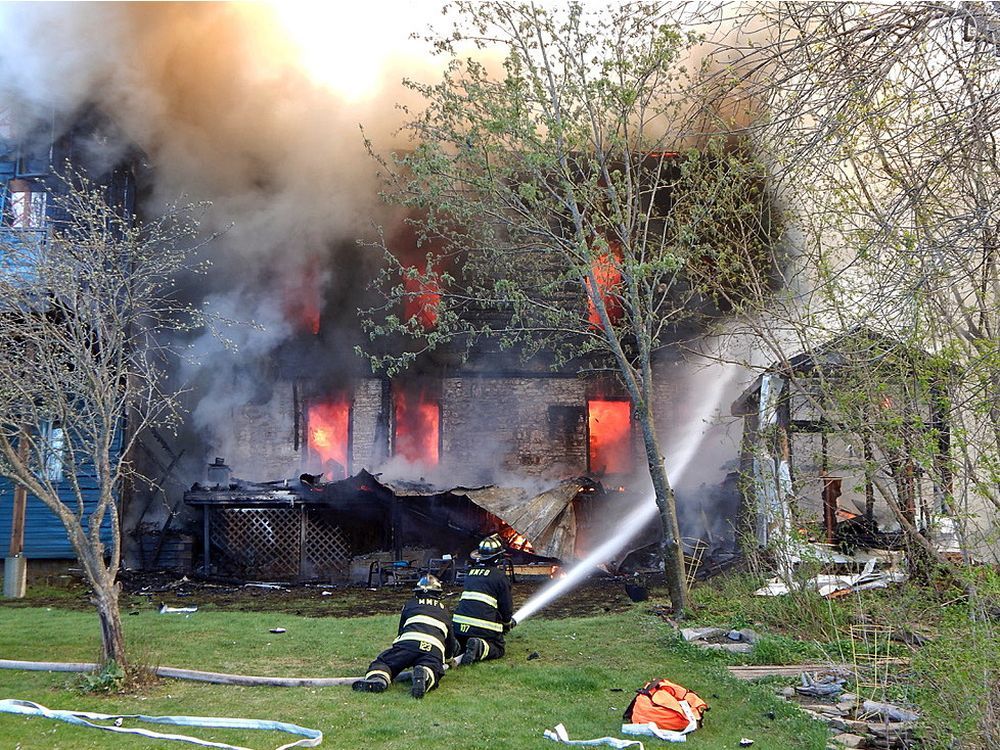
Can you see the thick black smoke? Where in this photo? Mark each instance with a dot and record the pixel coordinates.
(217, 100)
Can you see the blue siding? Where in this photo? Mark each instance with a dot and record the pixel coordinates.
(44, 534)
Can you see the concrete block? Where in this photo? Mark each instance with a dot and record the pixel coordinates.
(700, 634)
(749, 635)
(733, 648)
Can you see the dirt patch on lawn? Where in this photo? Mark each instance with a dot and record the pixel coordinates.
(141, 592)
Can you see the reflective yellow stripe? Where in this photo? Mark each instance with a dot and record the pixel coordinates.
(430, 678)
(422, 638)
(478, 597)
(425, 620)
(476, 622)
(486, 650)
(373, 672)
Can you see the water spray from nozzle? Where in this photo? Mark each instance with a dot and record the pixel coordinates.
(629, 528)
(681, 457)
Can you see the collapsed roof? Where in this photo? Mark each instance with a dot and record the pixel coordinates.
(557, 520)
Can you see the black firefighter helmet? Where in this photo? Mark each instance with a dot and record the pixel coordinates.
(428, 585)
(490, 549)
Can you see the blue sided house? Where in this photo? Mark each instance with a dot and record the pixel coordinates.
(44, 534)
(33, 145)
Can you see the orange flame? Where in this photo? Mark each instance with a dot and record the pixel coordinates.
(610, 427)
(418, 426)
(421, 301)
(516, 540)
(422, 290)
(303, 303)
(608, 278)
(329, 435)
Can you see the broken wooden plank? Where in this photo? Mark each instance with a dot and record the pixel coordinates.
(784, 670)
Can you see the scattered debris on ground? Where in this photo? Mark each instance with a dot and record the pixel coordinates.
(143, 592)
(820, 686)
(785, 670)
(856, 721)
(720, 639)
(840, 574)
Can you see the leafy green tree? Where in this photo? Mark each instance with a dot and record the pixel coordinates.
(540, 183)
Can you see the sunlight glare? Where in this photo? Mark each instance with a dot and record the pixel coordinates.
(346, 47)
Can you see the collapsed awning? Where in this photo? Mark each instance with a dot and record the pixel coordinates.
(560, 520)
(546, 518)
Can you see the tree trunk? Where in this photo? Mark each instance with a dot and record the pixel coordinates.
(673, 558)
(112, 638)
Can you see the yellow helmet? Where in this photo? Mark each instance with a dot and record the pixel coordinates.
(428, 585)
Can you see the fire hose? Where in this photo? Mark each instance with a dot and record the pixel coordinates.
(311, 737)
(217, 678)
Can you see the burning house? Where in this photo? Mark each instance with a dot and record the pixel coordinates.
(365, 528)
(545, 459)
(472, 446)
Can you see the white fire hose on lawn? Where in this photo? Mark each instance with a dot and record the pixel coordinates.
(311, 737)
(217, 678)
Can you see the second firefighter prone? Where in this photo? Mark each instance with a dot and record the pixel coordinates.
(423, 643)
(428, 636)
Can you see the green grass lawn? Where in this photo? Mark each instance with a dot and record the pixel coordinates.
(584, 678)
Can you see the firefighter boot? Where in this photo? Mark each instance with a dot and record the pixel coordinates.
(423, 679)
(474, 650)
(374, 684)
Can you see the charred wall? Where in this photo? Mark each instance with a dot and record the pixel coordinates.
(525, 426)
(492, 428)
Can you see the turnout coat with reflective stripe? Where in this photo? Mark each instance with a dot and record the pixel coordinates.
(486, 602)
(425, 625)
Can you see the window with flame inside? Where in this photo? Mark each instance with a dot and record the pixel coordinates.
(417, 425)
(609, 437)
(328, 426)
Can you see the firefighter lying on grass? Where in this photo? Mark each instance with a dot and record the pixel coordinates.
(485, 610)
(425, 640)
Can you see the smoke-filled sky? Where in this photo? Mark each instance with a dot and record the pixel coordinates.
(253, 107)
(256, 108)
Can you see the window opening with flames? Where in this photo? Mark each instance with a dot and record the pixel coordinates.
(417, 424)
(609, 437)
(328, 426)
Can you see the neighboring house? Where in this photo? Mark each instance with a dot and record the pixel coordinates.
(30, 154)
(44, 534)
(821, 430)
